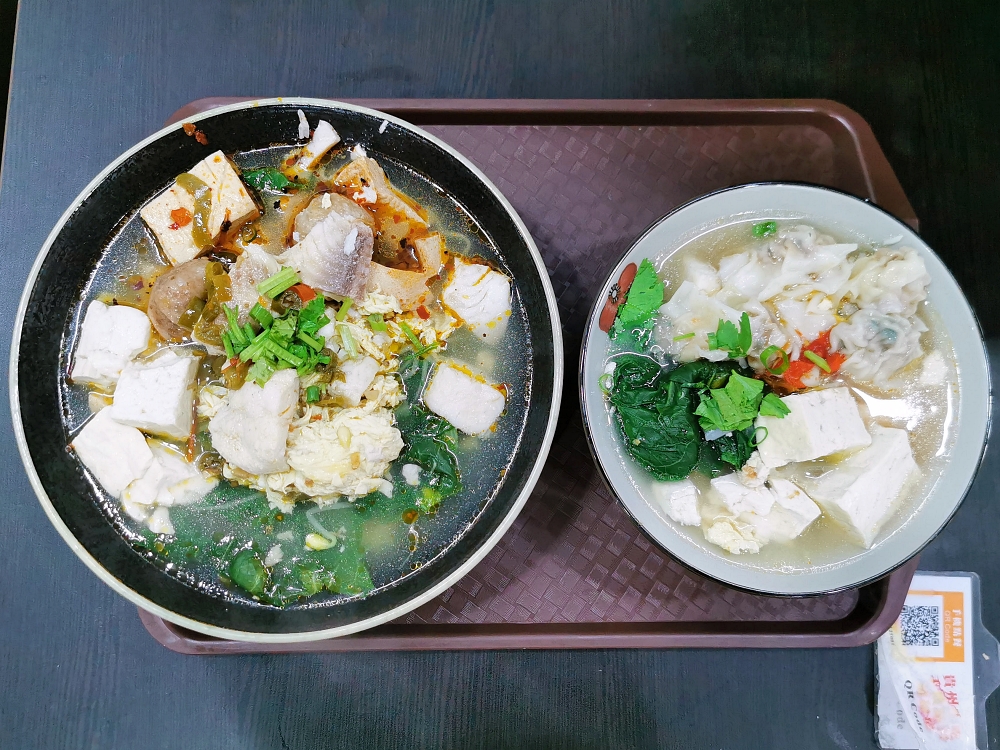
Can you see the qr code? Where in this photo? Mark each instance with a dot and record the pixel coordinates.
(921, 625)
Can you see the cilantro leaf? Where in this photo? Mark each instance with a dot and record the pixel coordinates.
(733, 407)
(728, 338)
(772, 406)
(269, 179)
(644, 298)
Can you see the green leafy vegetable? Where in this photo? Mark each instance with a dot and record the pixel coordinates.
(733, 407)
(654, 416)
(772, 406)
(735, 448)
(728, 338)
(644, 298)
(429, 440)
(248, 572)
(764, 229)
(268, 179)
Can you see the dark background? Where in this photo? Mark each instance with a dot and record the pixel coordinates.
(93, 77)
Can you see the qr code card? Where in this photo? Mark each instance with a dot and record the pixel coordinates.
(926, 696)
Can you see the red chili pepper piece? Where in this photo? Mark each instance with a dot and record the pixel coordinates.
(304, 291)
(616, 296)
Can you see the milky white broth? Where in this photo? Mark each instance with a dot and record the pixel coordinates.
(926, 412)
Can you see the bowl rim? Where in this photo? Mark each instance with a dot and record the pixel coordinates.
(312, 635)
(589, 329)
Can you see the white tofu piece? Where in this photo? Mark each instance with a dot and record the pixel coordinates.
(115, 454)
(323, 139)
(469, 403)
(109, 337)
(679, 501)
(754, 473)
(819, 423)
(480, 297)
(738, 498)
(250, 430)
(157, 395)
(728, 535)
(358, 377)
(170, 480)
(861, 492)
(274, 556)
(303, 125)
(792, 513)
(232, 207)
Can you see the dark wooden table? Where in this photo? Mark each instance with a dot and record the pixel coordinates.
(91, 78)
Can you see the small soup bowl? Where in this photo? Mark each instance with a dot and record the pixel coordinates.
(903, 535)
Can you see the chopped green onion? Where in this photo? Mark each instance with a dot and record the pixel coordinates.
(765, 228)
(765, 358)
(259, 313)
(315, 343)
(377, 322)
(754, 441)
(254, 349)
(684, 336)
(408, 332)
(348, 340)
(236, 334)
(342, 312)
(281, 353)
(817, 360)
(230, 352)
(312, 394)
(280, 282)
(607, 380)
(425, 349)
(248, 332)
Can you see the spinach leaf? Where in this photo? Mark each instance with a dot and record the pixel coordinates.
(710, 461)
(429, 440)
(705, 374)
(433, 456)
(248, 572)
(735, 448)
(655, 418)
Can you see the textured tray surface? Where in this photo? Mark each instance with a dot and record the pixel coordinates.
(585, 193)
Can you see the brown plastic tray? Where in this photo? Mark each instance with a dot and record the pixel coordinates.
(587, 177)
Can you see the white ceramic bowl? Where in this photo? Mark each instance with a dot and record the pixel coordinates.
(901, 538)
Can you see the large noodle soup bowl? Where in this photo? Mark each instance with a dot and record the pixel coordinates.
(904, 534)
(86, 517)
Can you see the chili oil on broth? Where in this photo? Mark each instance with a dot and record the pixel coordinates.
(928, 413)
(393, 548)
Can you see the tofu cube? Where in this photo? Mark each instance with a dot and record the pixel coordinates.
(115, 454)
(819, 423)
(232, 207)
(729, 535)
(109, 337)
(792, 513)
(250, 430)
(170, 480)
(738, 498)
(157, 395)
(480, 297)
(862, 490)
(679, 501)
(469, 403)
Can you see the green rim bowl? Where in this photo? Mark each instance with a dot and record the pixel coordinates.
(901, 538)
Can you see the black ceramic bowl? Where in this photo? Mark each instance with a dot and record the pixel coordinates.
(85, 517)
